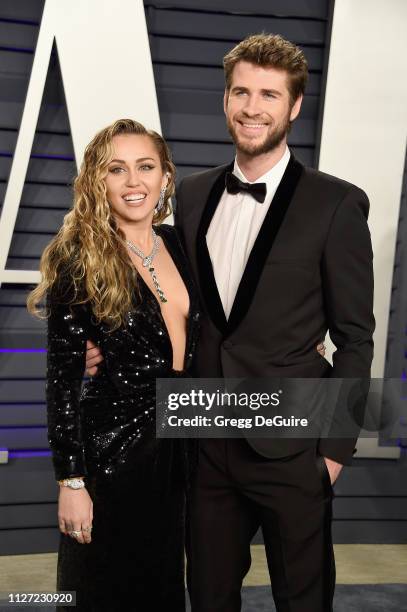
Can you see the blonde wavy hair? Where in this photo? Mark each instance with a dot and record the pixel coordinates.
(89, 249)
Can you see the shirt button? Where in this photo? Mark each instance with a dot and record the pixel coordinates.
(227, 344)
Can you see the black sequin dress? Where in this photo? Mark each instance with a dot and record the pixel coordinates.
(106, 432)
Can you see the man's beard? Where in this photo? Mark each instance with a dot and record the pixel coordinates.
(272, 140)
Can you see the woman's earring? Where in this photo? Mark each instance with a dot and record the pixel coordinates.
(160, 202)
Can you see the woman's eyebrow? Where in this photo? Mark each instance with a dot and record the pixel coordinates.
(140, 159)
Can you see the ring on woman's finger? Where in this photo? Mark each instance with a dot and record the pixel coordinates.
(75, 533)
(87, 529)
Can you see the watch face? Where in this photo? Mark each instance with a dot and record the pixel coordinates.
(76, 484)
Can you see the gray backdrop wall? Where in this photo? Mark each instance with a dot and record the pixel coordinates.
(188, 40)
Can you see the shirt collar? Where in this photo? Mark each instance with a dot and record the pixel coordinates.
(272, 177)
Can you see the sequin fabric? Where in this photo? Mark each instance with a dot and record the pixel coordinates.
(94, 429)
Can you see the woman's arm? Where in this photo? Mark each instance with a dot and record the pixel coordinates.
(68, 328)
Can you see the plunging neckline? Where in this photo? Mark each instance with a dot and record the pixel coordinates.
(157, 303)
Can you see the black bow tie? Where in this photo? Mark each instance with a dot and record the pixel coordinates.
(235, 185)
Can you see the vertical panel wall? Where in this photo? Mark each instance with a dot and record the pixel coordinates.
(396, 357)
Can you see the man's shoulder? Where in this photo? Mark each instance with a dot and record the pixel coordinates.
(328, 184)
(203, 177)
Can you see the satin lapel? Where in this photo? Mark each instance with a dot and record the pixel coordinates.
(264, 242)
(209, 288)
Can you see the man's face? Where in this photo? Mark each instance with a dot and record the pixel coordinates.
(258, 108)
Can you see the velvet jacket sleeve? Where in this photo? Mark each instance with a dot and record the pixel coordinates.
(68, 330)
(347, 272)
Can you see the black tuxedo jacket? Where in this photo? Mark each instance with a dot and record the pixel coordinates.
(310, 270)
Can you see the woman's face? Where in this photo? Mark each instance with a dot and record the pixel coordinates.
(134, 179)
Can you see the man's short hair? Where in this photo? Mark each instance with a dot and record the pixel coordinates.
(270, 50)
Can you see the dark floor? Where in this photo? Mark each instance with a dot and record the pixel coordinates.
(348, 598)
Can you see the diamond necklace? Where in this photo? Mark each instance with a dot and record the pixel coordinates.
(147, 260)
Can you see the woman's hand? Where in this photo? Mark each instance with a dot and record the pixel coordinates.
(75, 513)
(93, 358)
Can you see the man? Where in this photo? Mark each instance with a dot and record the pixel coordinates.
(281, 254)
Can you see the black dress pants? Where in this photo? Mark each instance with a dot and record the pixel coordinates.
(235, 492)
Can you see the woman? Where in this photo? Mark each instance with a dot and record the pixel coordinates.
(116, 275)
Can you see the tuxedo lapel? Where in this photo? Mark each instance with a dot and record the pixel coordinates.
(264, 242)
(207, 280)
(259, 253)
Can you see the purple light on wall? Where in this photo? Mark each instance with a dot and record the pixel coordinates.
(22, 350)
(28, 453)
(22, 427)
(21, 21)
(59, 157)
(40, 156)
(22, 404)
(18, 49)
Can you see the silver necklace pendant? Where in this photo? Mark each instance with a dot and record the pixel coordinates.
(147, 261)
(160, 292)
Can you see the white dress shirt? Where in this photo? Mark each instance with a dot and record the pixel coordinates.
(234, 229)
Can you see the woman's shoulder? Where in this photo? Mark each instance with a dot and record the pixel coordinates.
(168, 230)
(66, 289)
(172, 237)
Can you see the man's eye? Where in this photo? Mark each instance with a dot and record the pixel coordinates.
(269, 95)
